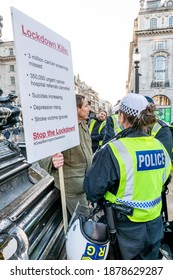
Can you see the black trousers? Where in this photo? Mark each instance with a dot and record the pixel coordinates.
(139, 241)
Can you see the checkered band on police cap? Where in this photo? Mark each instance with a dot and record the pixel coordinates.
(128, 111)
(132, 104)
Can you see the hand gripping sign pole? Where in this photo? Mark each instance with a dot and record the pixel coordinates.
(63, 200)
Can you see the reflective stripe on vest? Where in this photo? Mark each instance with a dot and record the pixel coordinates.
(117, 128)
(100, 129)
(158, 126)
(136, 156)
(155, 129)
(92, 123)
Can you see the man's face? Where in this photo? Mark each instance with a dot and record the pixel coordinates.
(83, 112)
(102, 116)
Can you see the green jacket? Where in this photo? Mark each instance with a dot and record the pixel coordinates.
(76, 162)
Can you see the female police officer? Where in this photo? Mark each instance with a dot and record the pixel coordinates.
(131, 170)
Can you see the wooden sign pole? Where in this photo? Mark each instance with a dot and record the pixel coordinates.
(63, 199)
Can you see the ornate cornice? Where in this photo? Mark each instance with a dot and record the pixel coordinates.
(7, 58)
(154, 31)
(156, 14)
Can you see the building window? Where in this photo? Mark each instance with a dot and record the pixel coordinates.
(159, 45)
(11, 52)
(12, 79)
(171, 22)
(161, 100)
(153, 23)
(160, 68)
(169, 4)
(11, 68)
(153, 4)
(160, 73)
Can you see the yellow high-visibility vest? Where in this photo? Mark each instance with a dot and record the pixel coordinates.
(155, 129)
(117, 127)
(92, 123)
(144, 168)
(99, 130)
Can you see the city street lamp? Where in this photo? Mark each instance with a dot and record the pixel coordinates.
(136, 59)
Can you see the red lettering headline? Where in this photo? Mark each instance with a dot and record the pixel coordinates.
(51, 133)
(41, 39)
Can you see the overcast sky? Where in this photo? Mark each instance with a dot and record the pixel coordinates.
(99, 31)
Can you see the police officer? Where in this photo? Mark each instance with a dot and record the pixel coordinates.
(112, 127)
(131, 171)
(161, 131)
(96, 128)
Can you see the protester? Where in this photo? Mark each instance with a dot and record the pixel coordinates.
(112, 126)
(75, 162)
(132, 171)
(96, 128)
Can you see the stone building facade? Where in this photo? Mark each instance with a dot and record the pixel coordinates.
(92, 96)
(153, 36)
(8, 76)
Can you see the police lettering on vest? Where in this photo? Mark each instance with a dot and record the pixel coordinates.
(150, 160)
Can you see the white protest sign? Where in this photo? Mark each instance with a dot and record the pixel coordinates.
(46, 83)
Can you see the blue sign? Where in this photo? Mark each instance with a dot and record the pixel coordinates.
(150, 160)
